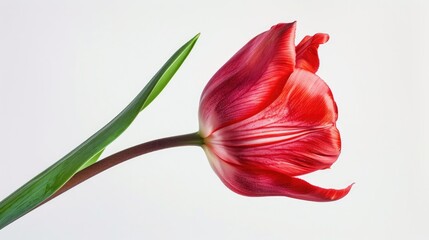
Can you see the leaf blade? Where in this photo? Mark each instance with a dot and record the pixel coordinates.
(50, 180)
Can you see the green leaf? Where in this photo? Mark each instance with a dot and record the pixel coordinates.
(49, 181)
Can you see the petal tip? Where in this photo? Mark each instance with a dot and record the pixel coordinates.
(285, 25)
(340, 193)
(323, 37)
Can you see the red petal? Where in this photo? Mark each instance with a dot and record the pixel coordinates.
(250, 80)
(295, 135)
(306, 52)
(295, 152)
(256, 182)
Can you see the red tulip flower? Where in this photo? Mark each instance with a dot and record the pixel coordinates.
(266, 118)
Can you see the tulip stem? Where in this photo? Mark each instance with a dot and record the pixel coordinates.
(193, 139)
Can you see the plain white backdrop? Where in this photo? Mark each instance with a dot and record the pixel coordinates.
(68, 67)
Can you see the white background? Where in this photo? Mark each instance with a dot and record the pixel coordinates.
(68, 67)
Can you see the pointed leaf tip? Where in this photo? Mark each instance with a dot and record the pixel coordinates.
(163, 76)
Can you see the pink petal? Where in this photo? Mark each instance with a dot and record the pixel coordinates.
(306, 52)
(250, 80)
(295, 135)
(257, 182)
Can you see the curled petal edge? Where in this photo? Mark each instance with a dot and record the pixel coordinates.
(255, 182)
(307, 56)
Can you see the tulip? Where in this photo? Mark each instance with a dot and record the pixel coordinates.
(266, 118)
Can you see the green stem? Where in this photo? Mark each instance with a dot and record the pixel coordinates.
(193, 139)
